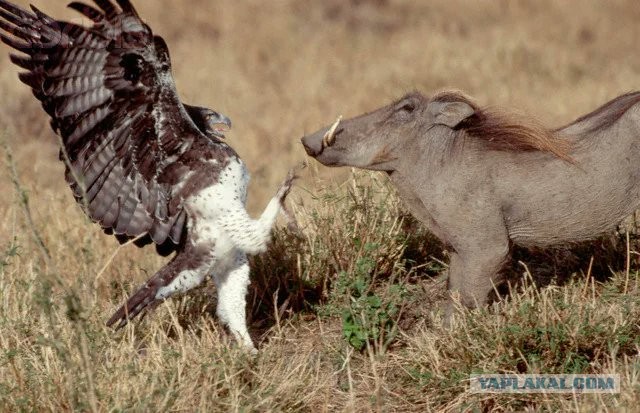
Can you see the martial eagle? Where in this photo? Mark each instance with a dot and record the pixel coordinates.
(141, 163)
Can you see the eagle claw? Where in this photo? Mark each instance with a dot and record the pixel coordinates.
(287, 185)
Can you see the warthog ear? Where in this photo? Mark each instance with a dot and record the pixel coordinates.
(450, 114)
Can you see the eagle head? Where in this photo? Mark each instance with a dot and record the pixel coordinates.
(210, 122)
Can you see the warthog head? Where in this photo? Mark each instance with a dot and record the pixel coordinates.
(375, 140)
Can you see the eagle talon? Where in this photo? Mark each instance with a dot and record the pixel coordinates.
(287, 185)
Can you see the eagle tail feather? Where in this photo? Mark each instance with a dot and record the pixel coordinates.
(187, 269)
(145, 298)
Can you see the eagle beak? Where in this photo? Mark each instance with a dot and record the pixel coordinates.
(218, 124)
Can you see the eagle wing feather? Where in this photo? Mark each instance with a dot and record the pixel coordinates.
(111, 97)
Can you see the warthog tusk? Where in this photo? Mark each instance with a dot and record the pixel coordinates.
(330, 137)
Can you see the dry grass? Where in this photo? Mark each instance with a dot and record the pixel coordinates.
(280, 69)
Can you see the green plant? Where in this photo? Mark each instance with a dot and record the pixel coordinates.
(369, 318)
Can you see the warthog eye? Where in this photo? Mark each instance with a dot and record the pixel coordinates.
(408, 107)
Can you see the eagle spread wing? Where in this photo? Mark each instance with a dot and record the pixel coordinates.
(110, 94)
(140, 162)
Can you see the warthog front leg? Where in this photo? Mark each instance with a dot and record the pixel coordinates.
(472, 275)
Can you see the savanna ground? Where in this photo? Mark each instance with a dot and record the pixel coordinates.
(343, 310)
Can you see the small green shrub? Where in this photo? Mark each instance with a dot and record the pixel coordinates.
(368, 317)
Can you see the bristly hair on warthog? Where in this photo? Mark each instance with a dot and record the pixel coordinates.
(484, 179)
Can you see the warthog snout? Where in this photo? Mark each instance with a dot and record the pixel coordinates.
(312, 145)
(315, 144)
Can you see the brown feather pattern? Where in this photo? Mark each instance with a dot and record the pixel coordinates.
(111, 97)
(87, 10)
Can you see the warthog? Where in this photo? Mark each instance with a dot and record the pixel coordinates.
(482, 180)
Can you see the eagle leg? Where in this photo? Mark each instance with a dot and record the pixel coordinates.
(232, 287)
